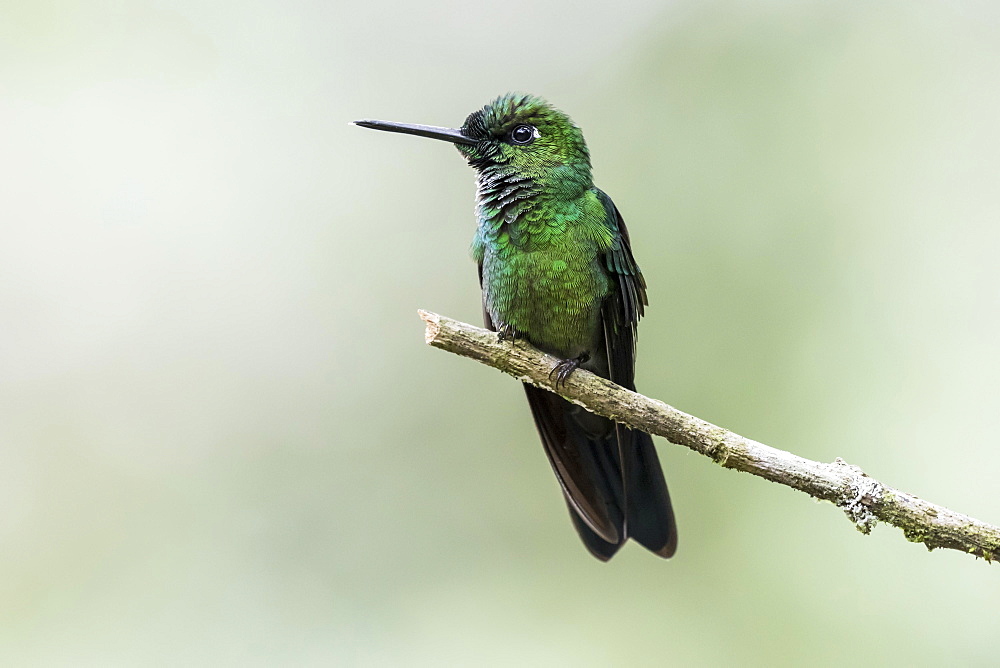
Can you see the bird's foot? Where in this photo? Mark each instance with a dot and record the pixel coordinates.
(507, 333)
(560, 372)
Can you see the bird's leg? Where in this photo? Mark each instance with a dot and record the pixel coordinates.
(507, 333)
(562, 370)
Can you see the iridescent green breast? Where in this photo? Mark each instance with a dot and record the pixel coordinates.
(543, 271)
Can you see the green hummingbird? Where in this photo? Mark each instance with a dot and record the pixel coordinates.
(556, 269)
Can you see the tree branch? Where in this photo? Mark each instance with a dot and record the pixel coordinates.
(866, 501)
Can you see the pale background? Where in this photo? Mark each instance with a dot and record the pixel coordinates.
(222, 440)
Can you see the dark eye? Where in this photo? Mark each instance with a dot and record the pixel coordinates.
(523, 134)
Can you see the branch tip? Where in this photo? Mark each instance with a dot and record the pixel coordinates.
(433, 323)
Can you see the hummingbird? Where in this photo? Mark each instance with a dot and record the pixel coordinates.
(556, 270)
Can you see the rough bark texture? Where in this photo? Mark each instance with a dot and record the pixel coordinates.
(866, 501)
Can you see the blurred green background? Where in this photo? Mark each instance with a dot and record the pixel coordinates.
(223, 441)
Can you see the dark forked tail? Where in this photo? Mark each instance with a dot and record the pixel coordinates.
(584, 451)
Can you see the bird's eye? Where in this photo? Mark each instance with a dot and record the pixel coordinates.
(523, 134)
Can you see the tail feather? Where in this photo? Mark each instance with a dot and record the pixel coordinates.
(585, 474)
(585, 451)
(650, 514)
(596, 545)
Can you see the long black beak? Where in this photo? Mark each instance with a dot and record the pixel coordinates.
(434, 132)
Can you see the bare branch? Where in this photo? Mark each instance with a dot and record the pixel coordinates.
(866, 501)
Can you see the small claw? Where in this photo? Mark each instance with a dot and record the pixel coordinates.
(507, 333)
(563, 370)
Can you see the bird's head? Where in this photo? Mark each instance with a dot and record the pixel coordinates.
(514, 134)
